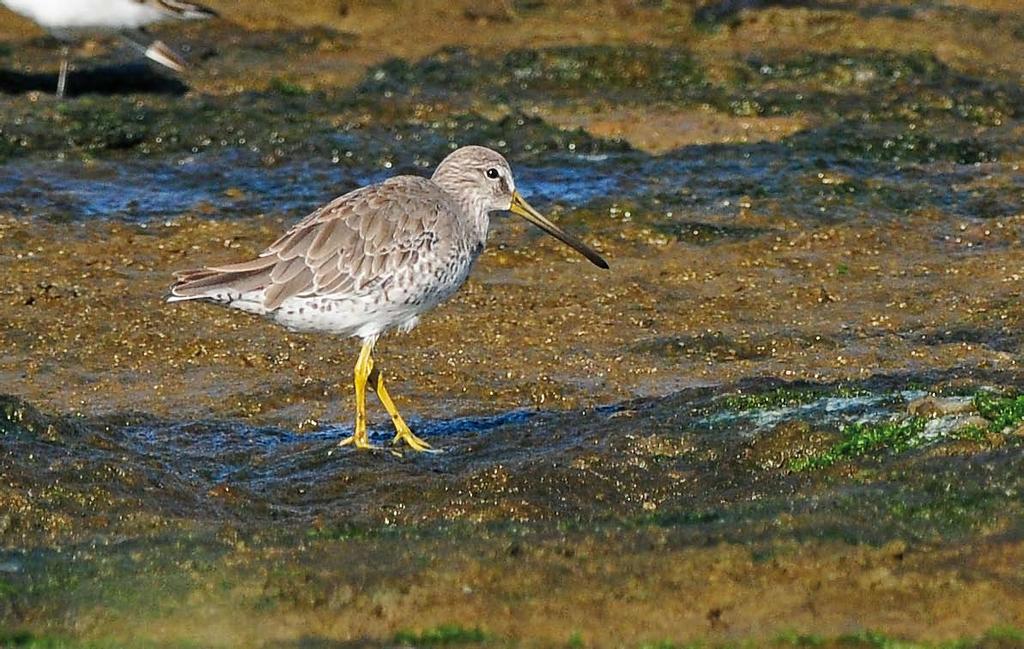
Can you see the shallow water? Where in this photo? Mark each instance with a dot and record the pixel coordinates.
(237, 185)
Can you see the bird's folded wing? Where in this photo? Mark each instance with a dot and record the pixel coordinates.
(355, 244)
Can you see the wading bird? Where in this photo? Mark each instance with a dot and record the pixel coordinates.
(376, 259)
(64, 19)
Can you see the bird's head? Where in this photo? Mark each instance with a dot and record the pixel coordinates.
(482, 178)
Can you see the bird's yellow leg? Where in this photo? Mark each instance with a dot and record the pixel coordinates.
(362, 371)
(402, 431)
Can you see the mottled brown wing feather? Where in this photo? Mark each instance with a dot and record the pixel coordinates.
(351, 246)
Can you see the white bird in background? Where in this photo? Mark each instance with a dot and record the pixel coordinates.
(65, 18)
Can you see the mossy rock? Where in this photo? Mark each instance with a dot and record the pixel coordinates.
(19, 418)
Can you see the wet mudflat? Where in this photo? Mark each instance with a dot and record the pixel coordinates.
(790, 415)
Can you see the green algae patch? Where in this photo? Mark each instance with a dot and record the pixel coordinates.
(31, 641)
(524, 135)
(715, 345)
(994, 639)
(875, 85)
(704, 234)
(442, 635)
(1003, 412)
(27, 640)
(944, 508)
(609, 73)
(998, 638)
(903, 433)
(872, 85)
(287, 88)
(860, 439)
(847, 69)
(898, 144)
(782, 397)
(334, 130)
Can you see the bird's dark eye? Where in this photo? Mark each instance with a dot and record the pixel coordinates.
(492, 173)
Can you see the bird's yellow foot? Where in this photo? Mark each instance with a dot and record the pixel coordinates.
(359, 441)
(415, 443)
(376, 382)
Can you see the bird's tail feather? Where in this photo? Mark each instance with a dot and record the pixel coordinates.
(207, 283)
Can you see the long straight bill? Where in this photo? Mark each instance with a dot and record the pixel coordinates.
(165, 56)
(523, 209)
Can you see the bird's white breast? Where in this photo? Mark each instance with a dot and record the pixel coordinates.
(87, 14)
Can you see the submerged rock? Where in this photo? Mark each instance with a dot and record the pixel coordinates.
(19, 418)
(932, 406)
(953, 424)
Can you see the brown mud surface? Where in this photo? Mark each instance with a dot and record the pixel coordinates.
(789, 415)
